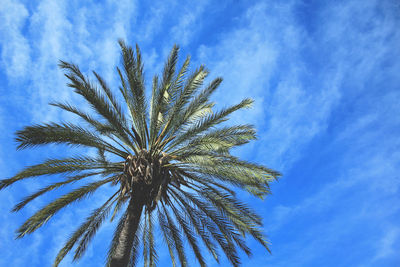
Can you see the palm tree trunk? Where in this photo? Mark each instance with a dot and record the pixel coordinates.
(122, 253)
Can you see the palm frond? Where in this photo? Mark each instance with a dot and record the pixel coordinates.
(133, 87)
(230, 206)
(197, 224)
(178, 81)
(251, 177)
(51, 187)
(43, 215)
(193, 84)
(212, 218)
(186, 115)
(191, 237)
(208, 122)
(93, 218)
(233, 210)
(177, 238)
(121, 201)
(99, 126)
(219, 141)
(65, 133)
(110, 96)
(83, 87)
(198, 181)
(167, 235)
(58, 166)
(91, 230)
(145, 244)
(160, 100)
(153, 257)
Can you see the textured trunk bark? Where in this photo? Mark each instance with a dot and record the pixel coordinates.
(122, 254)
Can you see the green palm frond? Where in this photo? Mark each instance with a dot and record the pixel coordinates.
(51, 187)
(194, 82)
(177, 238)
(219, 227)
(198, 106)
(197, 224)
(118, 206)
(219, 141)
(60, 166)
(133, 87)
(167, 235)
(97, 101)
(208, 122)
(91, 230)
(95, 217)
(100, 127)
(110, 96)
(161, 97)
(179, 80)
(177, 177)
(153, 256)
(189, 235)
(65, 133)
(43, 215)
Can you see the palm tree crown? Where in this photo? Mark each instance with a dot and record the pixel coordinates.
(175, 173)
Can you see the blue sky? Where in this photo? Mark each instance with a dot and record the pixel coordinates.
(325, 77)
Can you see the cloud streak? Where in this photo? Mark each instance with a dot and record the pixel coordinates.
(15, 50)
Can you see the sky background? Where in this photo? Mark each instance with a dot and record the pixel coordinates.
(326, 79)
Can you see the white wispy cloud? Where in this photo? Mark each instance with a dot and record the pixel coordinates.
(15, 50)
(386, 244)
(152, 23)
(367, 187)
(249, 58)
(189, 22)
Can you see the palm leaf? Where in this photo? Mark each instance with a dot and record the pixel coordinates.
(43, 215)
(83, 87)
(208, 122)
(133, 87)
(51, 187)
(58, 166)
(65, 133)
(160, 99)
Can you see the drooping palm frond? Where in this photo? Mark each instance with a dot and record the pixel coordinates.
(61, 166)
(53, 186)
(65, 133)
(43, 215)
(96, 217)
(150, 255)
(100, 127)
(176, 176)
(92, 227)
(189, 234)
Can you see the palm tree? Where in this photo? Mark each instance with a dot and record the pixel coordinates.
(171, 168)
